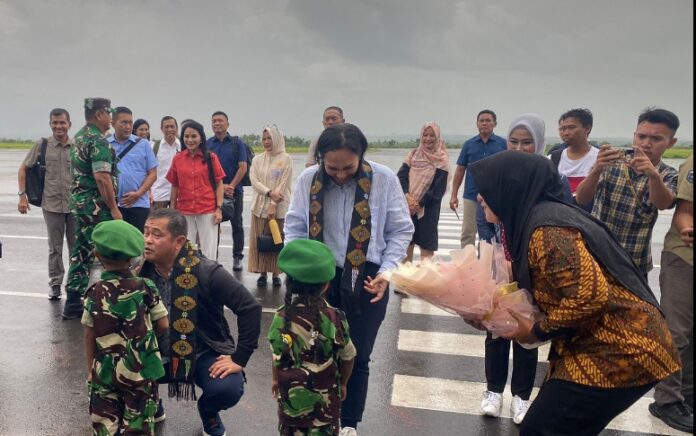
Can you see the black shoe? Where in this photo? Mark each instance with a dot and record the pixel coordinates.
(159, 415)
(73, 306)
(261, 281)
(212, 425)
(237, 265)
(674, 415)
(276, 282)
(54, 293)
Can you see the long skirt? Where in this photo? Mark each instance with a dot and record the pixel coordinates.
(262, 262)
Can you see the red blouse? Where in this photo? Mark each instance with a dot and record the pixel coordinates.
(190, 175)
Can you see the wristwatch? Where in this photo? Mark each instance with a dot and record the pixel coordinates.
(20, 193)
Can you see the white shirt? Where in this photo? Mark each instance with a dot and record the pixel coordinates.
(577, 170)
(165, 155)
(392, 227)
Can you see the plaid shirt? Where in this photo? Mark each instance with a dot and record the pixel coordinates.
(622, 202)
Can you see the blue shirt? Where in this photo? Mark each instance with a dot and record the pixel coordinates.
(474, 150)
(391, 224)
(227, 156)
(133, 168)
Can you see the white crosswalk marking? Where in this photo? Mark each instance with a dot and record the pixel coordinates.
(457, 396)
(455, 344)
(463, 396)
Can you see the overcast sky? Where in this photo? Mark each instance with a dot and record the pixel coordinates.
(391, 64)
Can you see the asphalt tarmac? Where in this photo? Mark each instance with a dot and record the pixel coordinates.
(427, 373)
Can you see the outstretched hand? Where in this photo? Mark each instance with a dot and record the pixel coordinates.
(376, 286)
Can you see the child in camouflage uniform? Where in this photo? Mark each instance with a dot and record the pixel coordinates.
(123, 358)
(312, 351)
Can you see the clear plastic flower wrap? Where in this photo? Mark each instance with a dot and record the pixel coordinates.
(476, 288)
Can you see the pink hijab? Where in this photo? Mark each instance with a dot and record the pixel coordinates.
(424, 161)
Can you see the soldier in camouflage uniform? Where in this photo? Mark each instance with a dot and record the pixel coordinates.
(92, 196)
(312, 351)
(123, 357)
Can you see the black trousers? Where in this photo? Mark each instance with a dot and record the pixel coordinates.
(135, 216)
(571, 409)
(524, 363)
(363, 329)
(238, 227)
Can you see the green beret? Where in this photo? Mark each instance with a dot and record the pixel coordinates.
(307, 261)
(117, 240)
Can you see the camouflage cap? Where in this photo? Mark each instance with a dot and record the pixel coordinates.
(307, 261)
(96, 103)
(117, 240)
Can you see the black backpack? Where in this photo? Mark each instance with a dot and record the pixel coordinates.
(35, 176)
(246, 181)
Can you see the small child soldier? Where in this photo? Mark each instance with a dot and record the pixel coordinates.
(312, 351)
(123, 359)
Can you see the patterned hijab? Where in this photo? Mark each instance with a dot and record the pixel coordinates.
(277, 137)
(423, 161)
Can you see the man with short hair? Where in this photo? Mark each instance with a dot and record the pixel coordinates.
(199, 347)
(92, 196)
(332, 115)
(232, 153)
(54, 202)
(164, 151)
(577, 159)
(674, 396)
(137, 168)
(628, 191)
(485, 144)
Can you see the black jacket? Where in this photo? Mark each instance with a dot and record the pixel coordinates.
(217, 289)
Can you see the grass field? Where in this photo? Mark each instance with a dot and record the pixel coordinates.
(28, 145)
(673, 153)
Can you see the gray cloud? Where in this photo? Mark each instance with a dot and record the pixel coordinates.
(391, 64)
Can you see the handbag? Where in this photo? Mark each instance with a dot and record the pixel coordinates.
(227, 209)
(265, 243)
(35, 176)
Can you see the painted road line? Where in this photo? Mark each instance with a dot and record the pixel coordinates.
(24, 294)
(456, 396)
(416, 306)
(451, 344)
(45, 296)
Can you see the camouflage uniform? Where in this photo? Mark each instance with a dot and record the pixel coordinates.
(123, 393)
(310, 397)
(91, 153)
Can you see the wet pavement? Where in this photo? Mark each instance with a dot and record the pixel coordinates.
(427, 370)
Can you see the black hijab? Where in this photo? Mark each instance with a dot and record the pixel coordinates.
(525, 192)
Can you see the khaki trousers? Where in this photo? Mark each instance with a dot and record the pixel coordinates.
(59, 226)
(468, 222)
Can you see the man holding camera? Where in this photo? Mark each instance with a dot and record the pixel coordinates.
(629, 192)
(60, 224)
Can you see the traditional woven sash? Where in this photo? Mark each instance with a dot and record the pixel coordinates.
(182, 327)
(359, 236)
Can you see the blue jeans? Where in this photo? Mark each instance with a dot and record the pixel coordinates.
(218, 394)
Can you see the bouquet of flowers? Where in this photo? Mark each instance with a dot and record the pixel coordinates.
(475, 287)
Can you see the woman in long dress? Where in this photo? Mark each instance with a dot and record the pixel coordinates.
(271, 176)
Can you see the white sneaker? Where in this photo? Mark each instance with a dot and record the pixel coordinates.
(348, 431)
(492, 404)
(519, 408)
